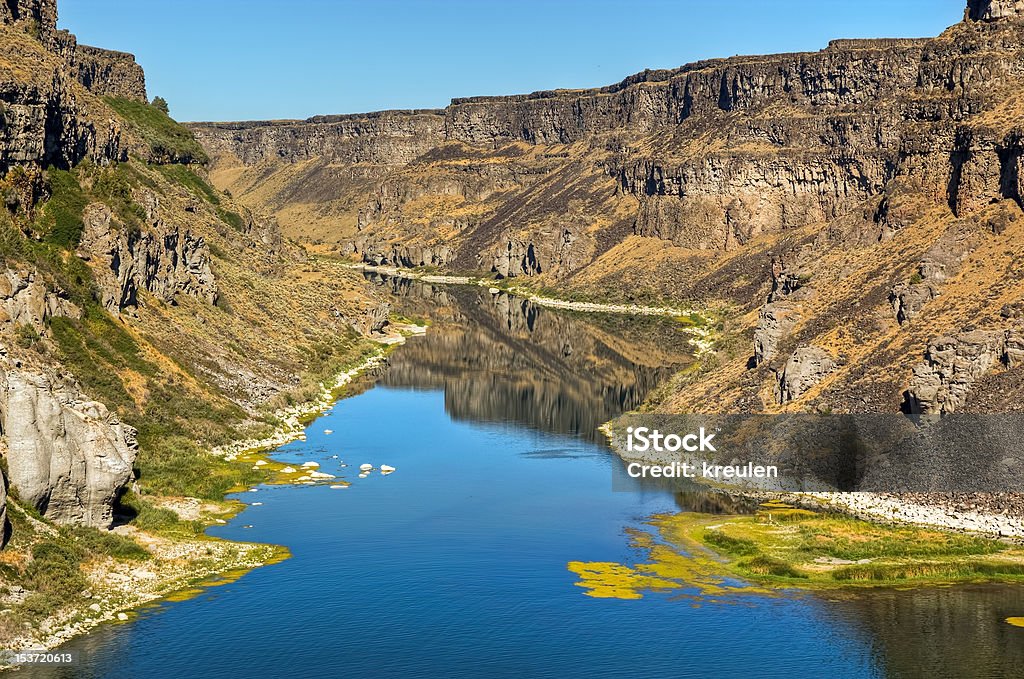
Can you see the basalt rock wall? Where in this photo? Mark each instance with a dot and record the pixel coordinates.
(709, 156)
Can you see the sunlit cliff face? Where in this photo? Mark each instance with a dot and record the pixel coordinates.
(993, 10)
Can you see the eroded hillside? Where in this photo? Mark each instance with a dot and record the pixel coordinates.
(145, 318)
(853, 213)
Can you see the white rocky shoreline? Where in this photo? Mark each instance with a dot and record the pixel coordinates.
(293, 427)
(115, 604)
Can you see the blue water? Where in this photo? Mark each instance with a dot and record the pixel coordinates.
(455, 566)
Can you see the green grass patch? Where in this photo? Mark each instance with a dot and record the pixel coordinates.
(62, 213)
(168, 140)
(730, 545)
(938, 570)
(768, 566)
(113, 185)
(851, 539)
(186, 176)
(232, 219)
(109, 544)
(782, 546)
(148, 517)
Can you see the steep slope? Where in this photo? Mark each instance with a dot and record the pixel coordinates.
(844, 210)
(145, 318)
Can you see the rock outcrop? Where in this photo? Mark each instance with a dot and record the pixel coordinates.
(559, 252)
(805, 369)
(774, 323)
(66, 455)
(952, 365)
(372, 320)
(24, 300)
(38, 16)
(907, 299)
(165, 259)
(397, 254)
(110, 74)
(43, 119)
(994, 10)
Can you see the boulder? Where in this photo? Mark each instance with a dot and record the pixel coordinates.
(805, 368)
(26, 300)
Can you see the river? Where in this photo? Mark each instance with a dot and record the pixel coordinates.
(455, 564)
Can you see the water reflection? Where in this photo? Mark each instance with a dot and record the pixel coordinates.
(941, 632)
(500, 358)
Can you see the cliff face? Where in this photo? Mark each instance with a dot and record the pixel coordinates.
(165, 259)
(134, 293)
(708, 156)
(69, 457)
(44, 119)
(848, 206)
(110, 74)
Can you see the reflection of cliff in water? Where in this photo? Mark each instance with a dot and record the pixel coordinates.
(941, 632)
(500, 358)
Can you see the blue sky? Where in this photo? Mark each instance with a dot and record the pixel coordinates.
(259, 59)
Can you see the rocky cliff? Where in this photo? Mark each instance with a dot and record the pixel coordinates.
(109, 73)
(43, 118)
(165, 259)
(708, 156)
(145, 317)
(847, 206)
(67, 456)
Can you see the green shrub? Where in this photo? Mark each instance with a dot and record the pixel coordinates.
(114, 186)
(26, 336)
(55, 568)
(151, 518)
(232, 219)
(110, 544)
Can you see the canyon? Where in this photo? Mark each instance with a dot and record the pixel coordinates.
(845, 225)
(840, 210)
